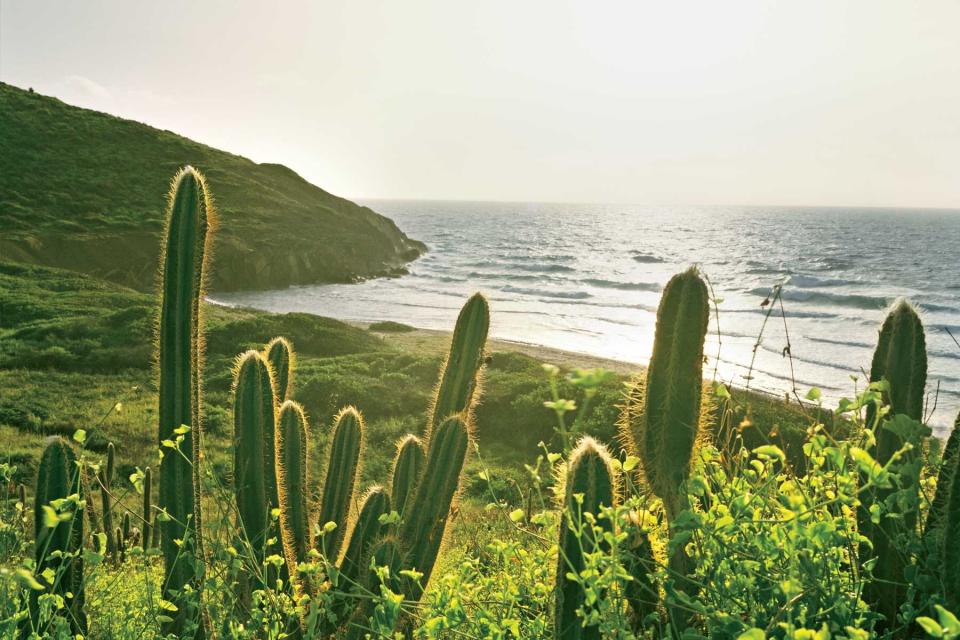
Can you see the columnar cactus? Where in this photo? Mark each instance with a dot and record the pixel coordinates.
(590, 476)
(187, 240)
(948, 463)
(59, 540)
(282, 358)
(901, 360)
(291, 464)
(641, 591)
(342, 471)
(253, 459)
(663, 417)
(422, 530)
(365, 531)
(147, 507)
(460, 377)
(950, 548)
(105, 478)
(407, 467)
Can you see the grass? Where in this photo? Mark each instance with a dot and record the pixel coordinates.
(86, 191)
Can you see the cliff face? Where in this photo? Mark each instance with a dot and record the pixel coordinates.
(86, 191)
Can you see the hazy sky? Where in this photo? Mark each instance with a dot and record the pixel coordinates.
(652, 102)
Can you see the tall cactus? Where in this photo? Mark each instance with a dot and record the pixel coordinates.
(663, 417)
(342, 472)
(105, 478)
(948, 464)
(407, 467)
(422, 531)
(365, 530)
(187, 240)
(147, 507)
(291, 463)
(282, 358)
(59, 540)
(901, 360)
(950, 543)
(590, 475)
(253, 459)
(460, 376)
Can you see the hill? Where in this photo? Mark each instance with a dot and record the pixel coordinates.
(86, 191)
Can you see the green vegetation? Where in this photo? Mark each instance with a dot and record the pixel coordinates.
(84, 190)
(389, 326)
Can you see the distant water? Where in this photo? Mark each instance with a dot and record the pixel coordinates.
(587, 278)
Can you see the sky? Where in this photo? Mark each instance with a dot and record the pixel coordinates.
(819, 102)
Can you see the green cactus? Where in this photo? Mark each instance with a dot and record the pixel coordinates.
(121, 543)
(460, 377)
(422, 531)
(366, 529)
(385, 552)
(407, 467)
(901, 360)
(187, 239)
(590, 475)
(147, 507)
(253, 460)
(58, 477)
(126, 528)
(944, 479)
(291, 464)
(641, 591)
(662, 417)
(950, 542)
(105, 478)
(282, 359)
(342, 471)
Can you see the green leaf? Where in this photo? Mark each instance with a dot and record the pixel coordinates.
(631, 463)
(752, 634)
(770, 452)
(930, 626)
(516, 515)
(80, 436)
(814, 394)
(26, 580)
(50, 519)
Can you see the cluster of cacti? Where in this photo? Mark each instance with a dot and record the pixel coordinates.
(58, 531)
(180, 352)
(900, 359)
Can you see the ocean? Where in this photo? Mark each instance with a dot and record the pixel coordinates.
(587, 278)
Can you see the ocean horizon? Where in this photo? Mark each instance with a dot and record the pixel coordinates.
(587, 278)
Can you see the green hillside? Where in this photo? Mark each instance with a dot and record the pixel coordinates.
(85, 191)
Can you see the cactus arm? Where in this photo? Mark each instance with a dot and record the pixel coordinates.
(282, 359)
(342, 472)
(944, 480)
(407, 467)
(291, 452)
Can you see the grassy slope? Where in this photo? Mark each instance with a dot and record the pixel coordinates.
(85, 191)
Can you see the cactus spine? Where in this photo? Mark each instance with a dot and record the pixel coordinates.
(106, 478)
(422, 530)
(282, 358)
(407, 467)
(590, 475)
(342, 472)
(291, 464)
(147, 507)
(180, 348)
(665, 429)
(253, 463)
(900, 359)
(58, 477)
(460, 377)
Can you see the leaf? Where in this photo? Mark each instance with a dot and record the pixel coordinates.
(26, 580)
(752, 634)
(814, 394)
(770, 452)
(80, 436)
(50, 519)
(930, 626)
(516, 515)
(631, 463)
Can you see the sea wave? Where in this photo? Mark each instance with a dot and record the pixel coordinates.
(566, 295)
(626, 286)
(646, 258)
(804, 282)
(853, 300)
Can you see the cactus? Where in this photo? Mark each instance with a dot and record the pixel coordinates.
(147, 506)
(641, 591)
(901, 360)
(291, 464)
(342, 472)
(187, 238)
(366, 529)
(105, 479)
(589, 474)
(665, 429)
(253, 420)
(279, 352)
(126, 528)
(944, 478)
(460, 376)
(407, 467)
(950, 542)
(58, 477)
(120, 542)
(422, 530)
(384, 552)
